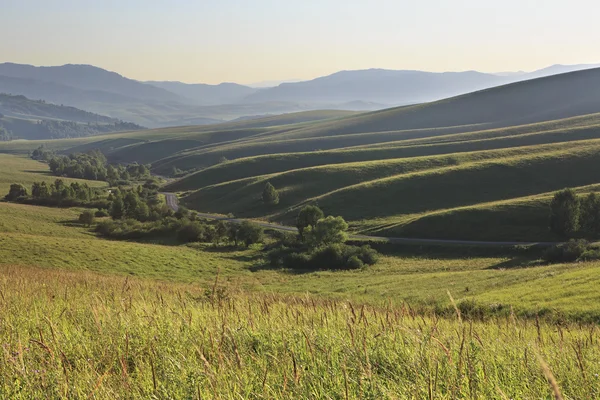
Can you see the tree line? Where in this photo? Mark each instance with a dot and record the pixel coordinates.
(91, 165)
(57, 193)
(574, 216)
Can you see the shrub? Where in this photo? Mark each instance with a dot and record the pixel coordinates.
(354, 263)
(101, 213)
(249, 233)
(16, 191)
(590, 255)
(308, 216)
(566, 252)
(86, 218)
(334, 256)
(190, 232)
(270, 195)
(565, 212)
(328, 230)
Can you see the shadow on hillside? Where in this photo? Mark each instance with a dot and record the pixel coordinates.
(47, 173)
(73, 223)
(517, 262)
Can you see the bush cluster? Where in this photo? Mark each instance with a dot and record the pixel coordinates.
(571, 251)
(58, 194)
(336, 256)
(183, 230)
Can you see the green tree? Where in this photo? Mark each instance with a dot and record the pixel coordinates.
(565, 213)
(327, 231)
(111, 173)
(308, 216)
(40, 190)
(117, 208)
(590, 214)
(270, 195)
(130, 202)
(233, 233)
(250, 233)
(16, 190)
(220, 233)
(86, 218)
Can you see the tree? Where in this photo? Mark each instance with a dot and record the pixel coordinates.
(16, 190)
(565, 212)
(117, 208)
(327, 231)
(270, 195)
(86, 218)
(233, 233)
(308, 216)
(130, 203)
(590, 214)
(249, 233)
(142, 212)
(220, 233)
(111, 173)
(40, 190)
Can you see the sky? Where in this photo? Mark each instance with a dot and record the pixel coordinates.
(247, 41)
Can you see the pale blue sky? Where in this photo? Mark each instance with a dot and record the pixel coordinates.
(247, 41)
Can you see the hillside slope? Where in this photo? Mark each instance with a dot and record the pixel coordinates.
(22, 118)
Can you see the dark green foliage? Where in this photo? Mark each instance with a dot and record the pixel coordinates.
(42, 154)
(270, 196)
(590, 215)
(58, 194)
(566, 252)
(565, 213)
(16, 191)
(308, 216)
(169, 228)
(117, 208)
(328, 230)
(191, 232)
(329, 257)
(249, 233)
(101, 213)
(86, 218)
(93, 166)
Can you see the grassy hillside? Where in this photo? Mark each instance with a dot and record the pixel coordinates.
(424, 166)
(36, 119)
(50, 238)
(19, 169)
(120, 342)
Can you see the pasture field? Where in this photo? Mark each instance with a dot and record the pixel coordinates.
(21, 169)
(83, 335)
(51, 238)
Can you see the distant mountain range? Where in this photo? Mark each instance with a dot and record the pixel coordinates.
(22, 118)
(159, 104)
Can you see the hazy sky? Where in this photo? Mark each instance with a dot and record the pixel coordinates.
(254, 40)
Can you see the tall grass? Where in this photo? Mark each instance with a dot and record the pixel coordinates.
(82, 335)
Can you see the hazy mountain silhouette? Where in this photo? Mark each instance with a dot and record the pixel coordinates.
(379, 86)
(548, 98)
(87, 77)
(207, 95)
(36, 119)
(159, 104)
(396, 87)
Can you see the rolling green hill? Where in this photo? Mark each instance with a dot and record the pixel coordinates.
(425, 167)
(23, 118)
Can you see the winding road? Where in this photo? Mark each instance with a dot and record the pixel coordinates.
(173, 204)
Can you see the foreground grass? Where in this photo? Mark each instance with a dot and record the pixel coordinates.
(82, 335)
